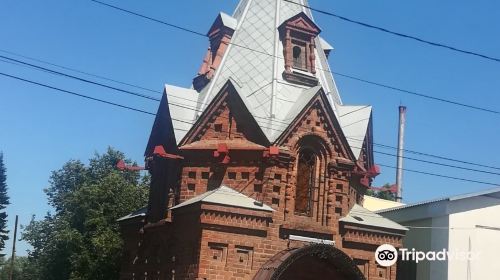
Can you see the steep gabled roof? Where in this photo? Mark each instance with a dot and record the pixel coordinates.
(226, 196)
(354, 121)
(254, 63)
(254, 60)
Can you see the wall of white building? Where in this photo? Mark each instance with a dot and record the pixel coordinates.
(464, 225)
(475, 228)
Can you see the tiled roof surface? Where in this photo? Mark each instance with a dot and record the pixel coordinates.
(228, 197)
(362, 216)
(254, 63)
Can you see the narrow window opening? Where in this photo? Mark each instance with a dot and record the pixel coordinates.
(298, 61)
(305, 182)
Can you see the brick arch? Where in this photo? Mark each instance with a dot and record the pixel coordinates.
(316, 261)
(314, 142)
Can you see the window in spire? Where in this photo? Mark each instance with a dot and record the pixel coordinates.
(298, 35)
(299, 60)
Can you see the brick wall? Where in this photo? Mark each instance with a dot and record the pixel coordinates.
(219, 242)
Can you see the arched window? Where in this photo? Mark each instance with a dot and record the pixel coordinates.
(306, 172)
(297, 57)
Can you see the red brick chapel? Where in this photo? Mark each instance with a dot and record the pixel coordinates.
(258, 170)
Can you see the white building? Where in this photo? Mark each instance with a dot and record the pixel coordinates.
(464, 224)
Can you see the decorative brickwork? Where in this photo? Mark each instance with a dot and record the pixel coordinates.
(210, 241)
(231, 200)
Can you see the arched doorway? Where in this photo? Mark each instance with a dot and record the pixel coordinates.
(311, 262)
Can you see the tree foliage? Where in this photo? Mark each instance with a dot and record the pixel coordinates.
(384, 193)
(4, 202)
(81, 239)
(22, 269)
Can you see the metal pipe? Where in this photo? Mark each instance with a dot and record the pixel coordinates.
(401, 135)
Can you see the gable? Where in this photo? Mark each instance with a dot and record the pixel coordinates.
(301, 22)
(226, 118)
(355, 122)
(163, 132)
(365, 158)
(317, 118)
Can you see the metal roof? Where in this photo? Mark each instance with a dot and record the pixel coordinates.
(138, 213)
(182, 102)
(362, 216)
(257, 67)
(495, 192)
(325, 45)
(354, 121)
(228, 20)
(254, 63)
(224, 195)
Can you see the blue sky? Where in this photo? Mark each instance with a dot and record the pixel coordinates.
(41, 129)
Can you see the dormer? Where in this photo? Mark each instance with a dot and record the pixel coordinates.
(220, 35)
(298, 35)
(327, 48)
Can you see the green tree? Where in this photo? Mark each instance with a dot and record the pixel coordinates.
(81, 239)
(384, 193)
(22, 269)
(4, 202)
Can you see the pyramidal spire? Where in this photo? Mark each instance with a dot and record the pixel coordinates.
(272, 51)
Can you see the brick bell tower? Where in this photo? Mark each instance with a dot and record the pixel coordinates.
(259, 170)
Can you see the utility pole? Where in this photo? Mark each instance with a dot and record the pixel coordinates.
(401, 136)
(13, 251)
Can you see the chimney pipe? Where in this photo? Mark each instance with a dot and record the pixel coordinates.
(401, 135)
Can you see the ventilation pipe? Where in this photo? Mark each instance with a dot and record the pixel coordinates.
(399, 170)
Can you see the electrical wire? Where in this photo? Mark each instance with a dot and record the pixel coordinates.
(18, 62)
(325, 70)
(149, 113)
(398, 34)
(79, 79)
(442, 176)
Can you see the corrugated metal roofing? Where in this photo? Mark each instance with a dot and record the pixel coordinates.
(362, 216)
(227, 196)
(493, 191)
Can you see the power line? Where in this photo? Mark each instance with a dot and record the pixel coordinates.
(419, 94)
(77, 94)
(440, 164)
(149, 113)
(79, 79)
(78, 71)
(411, 37)
(150, 18)
(428, 155)
(18, 62)
(6, 59)
(441, 175)
(321, 69)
